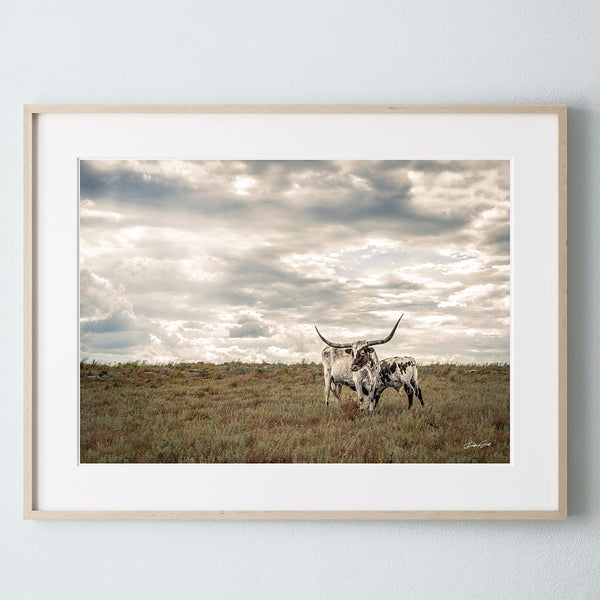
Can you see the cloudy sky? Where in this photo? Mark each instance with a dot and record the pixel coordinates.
(238, 260)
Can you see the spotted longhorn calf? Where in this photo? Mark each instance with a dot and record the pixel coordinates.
(400, 373)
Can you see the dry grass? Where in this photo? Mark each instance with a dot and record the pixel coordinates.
(236, 413)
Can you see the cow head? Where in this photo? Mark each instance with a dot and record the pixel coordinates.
(362, 354)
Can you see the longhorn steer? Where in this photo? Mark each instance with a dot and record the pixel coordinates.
(399, 372)
(355, 365)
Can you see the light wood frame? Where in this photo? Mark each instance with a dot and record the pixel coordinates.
(30, 511)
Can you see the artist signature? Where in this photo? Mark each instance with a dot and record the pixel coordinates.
(474, 445)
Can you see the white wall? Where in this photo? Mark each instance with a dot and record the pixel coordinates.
(308, 52)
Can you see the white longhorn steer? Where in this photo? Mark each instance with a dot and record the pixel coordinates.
(354, 364)
(400, 373)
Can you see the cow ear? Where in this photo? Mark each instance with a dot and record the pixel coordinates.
(348, 350)
(369, 349)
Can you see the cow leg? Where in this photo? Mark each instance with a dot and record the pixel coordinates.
(359, 392)
(371, 397)
(370, 392)
(420, 396)
(372, 406)
(337, 392)
(409, 392)
(417, 389)
(376, 397)
(327, 389)
(361, 398)
(361, 402)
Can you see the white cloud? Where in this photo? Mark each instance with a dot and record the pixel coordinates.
(234, 260)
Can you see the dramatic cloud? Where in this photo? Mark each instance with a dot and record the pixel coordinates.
(237, 260)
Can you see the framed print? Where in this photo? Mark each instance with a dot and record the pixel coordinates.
(295, 312)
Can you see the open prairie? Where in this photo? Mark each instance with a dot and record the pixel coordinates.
(275, 413)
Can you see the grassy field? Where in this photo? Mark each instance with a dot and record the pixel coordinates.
(274, 413)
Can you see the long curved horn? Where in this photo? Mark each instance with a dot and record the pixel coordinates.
(389, 337)
(331, 343)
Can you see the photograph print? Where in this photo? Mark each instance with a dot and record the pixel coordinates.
(294, 311)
